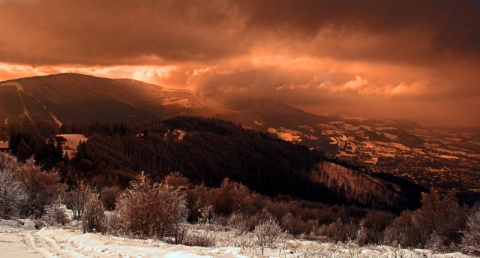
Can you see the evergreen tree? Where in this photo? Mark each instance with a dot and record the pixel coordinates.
(23, 151)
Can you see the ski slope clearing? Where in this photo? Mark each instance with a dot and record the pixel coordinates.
(71, 143)
(20, 239)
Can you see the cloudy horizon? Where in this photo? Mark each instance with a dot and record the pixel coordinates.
(417, 60)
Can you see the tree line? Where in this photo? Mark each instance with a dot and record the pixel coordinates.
(204, 150)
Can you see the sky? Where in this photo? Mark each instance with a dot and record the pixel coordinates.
(400, 59)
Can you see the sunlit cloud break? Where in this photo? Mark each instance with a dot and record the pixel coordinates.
(384, 59)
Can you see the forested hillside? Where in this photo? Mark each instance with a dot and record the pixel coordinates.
(205, 151)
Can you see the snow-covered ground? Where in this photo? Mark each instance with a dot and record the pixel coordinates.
(20, 239)
(71, 143)
(12, 241)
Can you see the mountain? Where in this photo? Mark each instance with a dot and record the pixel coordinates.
(75, 97)
(81, 98)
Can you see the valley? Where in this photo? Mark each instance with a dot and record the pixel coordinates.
(432, 157)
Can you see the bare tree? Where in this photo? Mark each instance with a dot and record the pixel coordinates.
(12, 193)
(77, 197)
(93, 216)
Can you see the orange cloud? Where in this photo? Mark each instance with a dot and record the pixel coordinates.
(378, 58)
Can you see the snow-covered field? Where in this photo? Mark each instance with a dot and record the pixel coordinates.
(12, 241)
(71, 143)
(21, 239)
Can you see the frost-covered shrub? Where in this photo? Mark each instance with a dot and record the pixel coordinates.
(201, 238)
(93, 216)
(152, 210)
(56, 214)
(177, 180)
(471, 238)
(258, 218)
(296, 226)
(402, 231)
(41, 187)
(339, 231)
(77, 197)
(206, 214)
(372, 227)
(440, 217)
(267, 233)
(12, 193)
(238, 222)
(114, 224)
(231, 196)
(437, 224)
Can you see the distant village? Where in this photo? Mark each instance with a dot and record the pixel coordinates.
(428, 157)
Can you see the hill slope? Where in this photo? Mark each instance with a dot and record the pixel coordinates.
(82, 98)
(264, 113)
(209, 150)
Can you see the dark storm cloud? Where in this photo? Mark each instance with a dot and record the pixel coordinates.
(414, 30)
(116, 32)
(112, 32)
(258, 83)
(385, 58)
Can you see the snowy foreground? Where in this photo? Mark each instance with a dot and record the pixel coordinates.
(21, 239)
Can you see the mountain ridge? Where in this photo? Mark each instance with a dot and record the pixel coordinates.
(84, 98)
(51, 97)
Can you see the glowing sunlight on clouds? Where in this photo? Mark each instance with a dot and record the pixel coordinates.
(377, 58)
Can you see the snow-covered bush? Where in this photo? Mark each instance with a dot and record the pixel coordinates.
(56, 214)
(206, 214)
(471, 238)
(238, 222)
(152, 210)
(267, 233)
(93, 216)
(199, 238)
